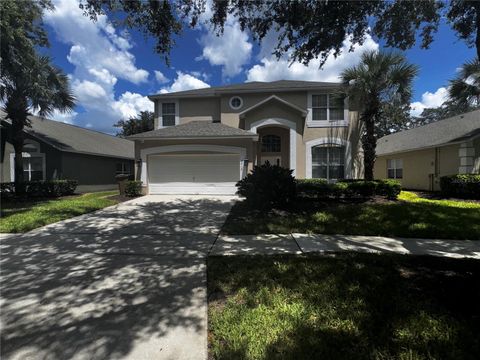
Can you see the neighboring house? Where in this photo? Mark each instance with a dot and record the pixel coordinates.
(55, 150)
(419, 157)
(205, 140)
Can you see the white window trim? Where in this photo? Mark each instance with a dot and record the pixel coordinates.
(325, 123)
(175, 148)
(324, 141)
(233, 107)
(293, 136)
(394, 168)
(27, 155)
(160, 113)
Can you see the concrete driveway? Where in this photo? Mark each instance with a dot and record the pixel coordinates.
(126, 282)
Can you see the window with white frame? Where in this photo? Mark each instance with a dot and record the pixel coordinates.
(168, 114)
(33, 168)
(395, 168)
(328, 107)
(328, 162)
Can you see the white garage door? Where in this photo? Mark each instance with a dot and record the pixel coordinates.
(193, 173)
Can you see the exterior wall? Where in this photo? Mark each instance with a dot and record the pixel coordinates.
(202, 109)
(422, 169)
(476, 161)
(230, 116)
(91, 170)
(53, 165)
(218, 108)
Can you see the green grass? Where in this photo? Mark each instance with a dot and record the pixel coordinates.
(349, 306)
(22, 216)
(409, 216)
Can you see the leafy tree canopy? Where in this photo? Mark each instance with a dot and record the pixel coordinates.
(306, 29)
(134, 125)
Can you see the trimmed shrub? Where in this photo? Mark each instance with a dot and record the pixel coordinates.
(133, 188)
(465, 186)
(388, 188)
(312, 187)
(48, 188)
(348, 189)
(268, 186)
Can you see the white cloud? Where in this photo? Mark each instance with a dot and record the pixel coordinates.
(231, 50)
(66, 117)
(162, 79)
(184, 82)
(130, 104)
(272, 69)
(101, 56)
(429, 100)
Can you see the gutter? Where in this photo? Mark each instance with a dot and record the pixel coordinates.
(253, 136)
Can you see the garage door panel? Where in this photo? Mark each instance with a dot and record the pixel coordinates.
(193, 173)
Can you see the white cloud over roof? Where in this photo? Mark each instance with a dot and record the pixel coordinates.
(184, 82)
(271, 69)
(429, 100)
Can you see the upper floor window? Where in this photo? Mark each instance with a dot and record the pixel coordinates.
(236, 102)
(168, 114)
(328, 107)
(271, 143)
(395, 168)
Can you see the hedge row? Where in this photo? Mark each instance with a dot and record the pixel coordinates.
(465, 186)
(321, 189)
(49, 188)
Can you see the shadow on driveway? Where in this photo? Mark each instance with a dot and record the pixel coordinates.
(103, 286)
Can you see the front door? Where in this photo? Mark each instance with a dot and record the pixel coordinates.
(272, 159)
(271, 150)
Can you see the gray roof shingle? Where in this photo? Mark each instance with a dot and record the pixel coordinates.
(71, 138)
(254, 86)
(195, 129)
(443, 132)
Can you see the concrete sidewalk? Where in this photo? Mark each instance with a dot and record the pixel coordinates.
(270, 244)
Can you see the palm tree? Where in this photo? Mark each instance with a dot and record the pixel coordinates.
(464, 90)
(33, 85)
(380, 78)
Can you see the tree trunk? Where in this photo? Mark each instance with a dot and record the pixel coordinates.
(369, 141)
(17, 110)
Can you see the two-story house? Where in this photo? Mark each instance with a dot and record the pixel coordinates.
(205, 140)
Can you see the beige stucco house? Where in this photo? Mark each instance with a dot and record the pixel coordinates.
(205, 140)
(419, 157)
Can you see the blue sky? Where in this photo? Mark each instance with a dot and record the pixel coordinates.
(112, 71)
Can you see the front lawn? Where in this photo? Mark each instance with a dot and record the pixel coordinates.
(347, 306)
(409, 216)
(22, 216)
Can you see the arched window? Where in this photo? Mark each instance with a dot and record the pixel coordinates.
(328, 162)
(271, 143)
(31, 147)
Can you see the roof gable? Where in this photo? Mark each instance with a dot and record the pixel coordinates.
(273, 98)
